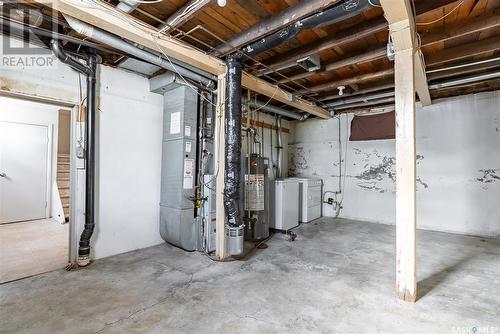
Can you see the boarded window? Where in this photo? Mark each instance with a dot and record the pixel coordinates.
(373, 127)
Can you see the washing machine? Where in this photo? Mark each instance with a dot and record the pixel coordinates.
(310, 199)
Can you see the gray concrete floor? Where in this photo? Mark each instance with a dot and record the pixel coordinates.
(337, 277)
(32, 247)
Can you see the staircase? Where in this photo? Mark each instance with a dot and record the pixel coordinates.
(63, 182)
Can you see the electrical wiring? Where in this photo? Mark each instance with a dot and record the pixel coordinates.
(184, 13)
(441, 18)
(268, 101)
(180, 75)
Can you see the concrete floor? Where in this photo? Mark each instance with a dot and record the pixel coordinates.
(32, 247)
(337, 277)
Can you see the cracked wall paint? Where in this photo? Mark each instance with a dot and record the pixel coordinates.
(458, 166)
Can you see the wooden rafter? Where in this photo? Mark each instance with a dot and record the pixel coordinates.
(456, 30)
(274, 23)
(104, 16)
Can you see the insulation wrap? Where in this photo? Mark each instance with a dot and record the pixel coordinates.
(233, 142)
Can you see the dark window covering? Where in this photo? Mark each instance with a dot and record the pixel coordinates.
(373, 127)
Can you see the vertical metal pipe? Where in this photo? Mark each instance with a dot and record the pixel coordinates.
(279, 147)
(84, 249)
(233, 157)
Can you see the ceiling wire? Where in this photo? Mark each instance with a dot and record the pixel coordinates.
(442, 17)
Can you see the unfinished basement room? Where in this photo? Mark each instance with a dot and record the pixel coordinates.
(250, 166)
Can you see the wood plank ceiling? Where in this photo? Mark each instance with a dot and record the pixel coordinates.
(353, 51)
(445, 29)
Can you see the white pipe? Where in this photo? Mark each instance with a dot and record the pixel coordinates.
(117, 43)
(364, 98)
(466, 80)
(128, 6)
(463, 65)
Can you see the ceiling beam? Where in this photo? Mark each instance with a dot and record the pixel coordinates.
(402, 29)
(464, 51)
(274, 23)
(369, 28)
(106, 17)
(346, 36)
(352, 60)
(464, 27)
(348, 81)
(336, 96)
(461, 28)
(183, 14)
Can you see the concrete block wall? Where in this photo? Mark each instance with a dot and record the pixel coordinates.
(458, 166)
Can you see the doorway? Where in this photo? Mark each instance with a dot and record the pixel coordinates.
(35, 141)
(24, 161)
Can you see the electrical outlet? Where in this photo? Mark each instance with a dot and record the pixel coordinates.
(80, 152)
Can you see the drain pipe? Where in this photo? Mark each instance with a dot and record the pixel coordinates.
(90, 71)
(119, 44)
(234, 228)
(279, 147)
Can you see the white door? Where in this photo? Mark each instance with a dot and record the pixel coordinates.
(24, 150)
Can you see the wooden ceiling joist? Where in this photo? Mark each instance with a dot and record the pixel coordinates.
(104, 16)
(464, 51)
(348, 81)
(372, 27)
(184, 14)
(274, 23)
(464, 27)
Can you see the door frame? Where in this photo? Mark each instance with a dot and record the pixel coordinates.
(49, 171)
(73, 107)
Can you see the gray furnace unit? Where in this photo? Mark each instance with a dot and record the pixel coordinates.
(178, 222)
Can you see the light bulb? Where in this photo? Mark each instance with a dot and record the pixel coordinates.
(221, 3)
(341, 90)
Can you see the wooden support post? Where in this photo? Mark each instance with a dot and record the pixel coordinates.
(406, 284)
(220, 213)
(399, 15)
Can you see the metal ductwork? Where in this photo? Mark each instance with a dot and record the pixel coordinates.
(233, 157)
(90, 71)
(363, 98)
(119, 44)
(128, 6)
(275, 110)
(342, 11)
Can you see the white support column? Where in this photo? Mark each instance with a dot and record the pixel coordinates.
(220, 214)
(406, 284)
(402, 28)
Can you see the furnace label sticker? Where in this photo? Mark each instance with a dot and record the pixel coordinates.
(187, 131)
(254, 192)
(175, 123)
(188, 147)
(188, 174)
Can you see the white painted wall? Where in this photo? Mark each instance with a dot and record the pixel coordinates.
(129, 151)
(19, 111)
(458, 166)
(129, 162)
(268, 138)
